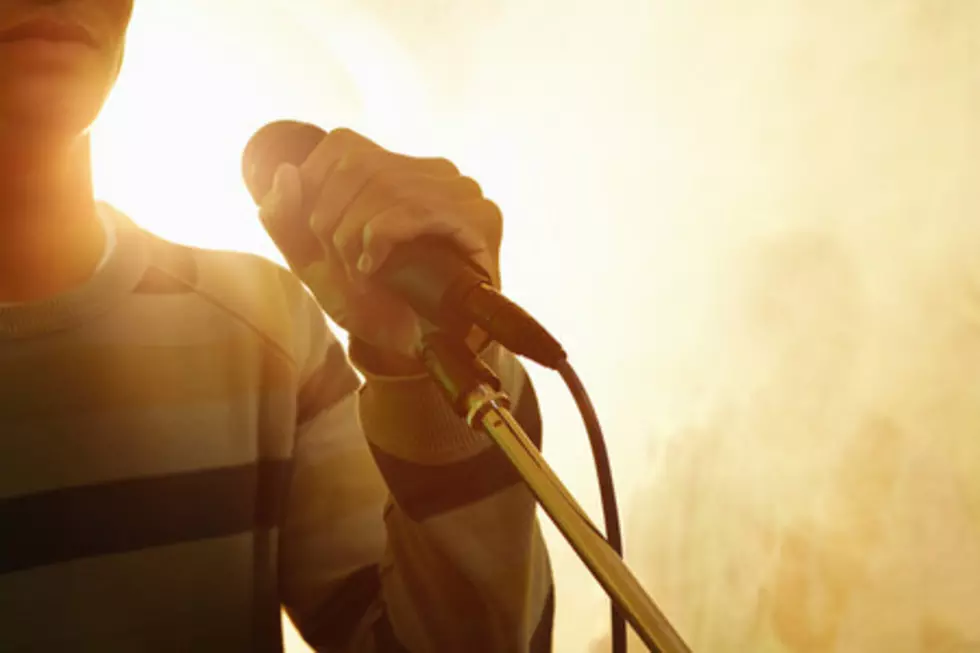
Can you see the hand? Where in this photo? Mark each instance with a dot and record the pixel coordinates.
(337, 216)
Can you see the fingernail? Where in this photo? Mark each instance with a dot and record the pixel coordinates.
(270, 206)
(272, 200)
(365, 263)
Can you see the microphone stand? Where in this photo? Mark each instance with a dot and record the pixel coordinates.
(475, 394)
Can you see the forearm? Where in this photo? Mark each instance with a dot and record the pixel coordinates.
(466, 567)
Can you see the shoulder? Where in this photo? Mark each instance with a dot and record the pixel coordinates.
(261, 294)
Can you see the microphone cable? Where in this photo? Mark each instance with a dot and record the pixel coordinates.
(607, 490)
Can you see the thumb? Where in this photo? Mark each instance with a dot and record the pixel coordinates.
(281, 213)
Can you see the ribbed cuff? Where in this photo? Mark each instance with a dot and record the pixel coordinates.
(365, 358)
(408, 416)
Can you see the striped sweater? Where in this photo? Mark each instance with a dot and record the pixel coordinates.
(185, 449)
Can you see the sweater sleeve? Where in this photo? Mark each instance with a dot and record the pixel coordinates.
(405, 530)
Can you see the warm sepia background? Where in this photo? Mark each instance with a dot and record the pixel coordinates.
(753, 223)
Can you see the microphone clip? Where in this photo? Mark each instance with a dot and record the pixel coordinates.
(459, 372)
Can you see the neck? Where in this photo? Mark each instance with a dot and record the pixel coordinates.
(50, 236)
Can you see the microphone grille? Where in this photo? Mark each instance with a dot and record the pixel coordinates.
(283, 141)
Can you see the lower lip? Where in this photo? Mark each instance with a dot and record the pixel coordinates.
(41, 50)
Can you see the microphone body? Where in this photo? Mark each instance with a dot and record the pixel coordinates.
(430, 274)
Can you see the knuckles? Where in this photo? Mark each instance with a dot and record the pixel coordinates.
(340, 239)
(445, 165)
(491, 218)
(416, 185)
(347, 139)
(355, 161)
(344, 134)
(468, 187)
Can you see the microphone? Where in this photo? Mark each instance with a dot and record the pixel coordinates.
(430, 274)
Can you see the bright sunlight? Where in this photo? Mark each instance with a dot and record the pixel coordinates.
(752, 224)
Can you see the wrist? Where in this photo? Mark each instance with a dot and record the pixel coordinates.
(386, 363)
(381, 362)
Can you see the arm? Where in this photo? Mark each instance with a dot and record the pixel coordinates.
(406, 530)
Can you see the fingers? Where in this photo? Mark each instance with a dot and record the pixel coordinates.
(334, 146)
(400, 225)
(282, 216)
(344, 158)
(339, 185)
(412, 195)
(302, 228)
(352, 201)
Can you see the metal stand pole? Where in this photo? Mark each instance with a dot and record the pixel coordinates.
(474, 391)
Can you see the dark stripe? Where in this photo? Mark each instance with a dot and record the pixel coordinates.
(385, 640)
(268, 630)
(124, 516)
(174, 266)
(266, 601)
(158, 282)
(332, 381)
(541, 640)
(335, 620)
(423, 491)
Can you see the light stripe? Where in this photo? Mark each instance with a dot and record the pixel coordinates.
(257, 293)
(64, 450)
(490, 554)
(148, 321)
(334, 519)
(330, 382)
(350, 542)
(87, 380)
(480, 556)
(541, 640)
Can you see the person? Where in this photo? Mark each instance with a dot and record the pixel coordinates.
(185, 448)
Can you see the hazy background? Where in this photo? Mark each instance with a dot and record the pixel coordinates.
(753, 224)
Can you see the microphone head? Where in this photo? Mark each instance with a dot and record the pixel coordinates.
(283, 141)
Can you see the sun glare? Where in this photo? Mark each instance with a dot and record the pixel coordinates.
(167, 147)
(198, 83)
(649, 157)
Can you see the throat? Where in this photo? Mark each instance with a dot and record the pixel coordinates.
(51, 236)
(45, 258)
